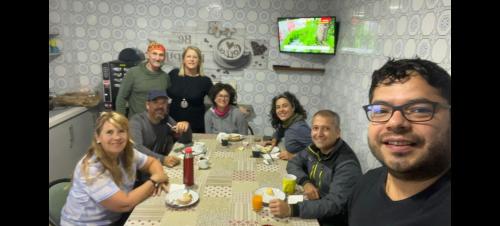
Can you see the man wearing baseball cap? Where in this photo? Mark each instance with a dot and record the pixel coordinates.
(154, 132)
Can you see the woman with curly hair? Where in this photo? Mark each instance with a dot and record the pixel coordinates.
(224, 116)
(287, 117)
(103, 180)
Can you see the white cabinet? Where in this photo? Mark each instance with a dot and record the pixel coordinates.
(68, 142)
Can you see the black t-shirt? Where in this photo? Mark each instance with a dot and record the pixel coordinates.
(369, 204)
(193, 89)
(163, 137)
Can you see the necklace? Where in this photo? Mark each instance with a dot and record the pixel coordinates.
(184, 103)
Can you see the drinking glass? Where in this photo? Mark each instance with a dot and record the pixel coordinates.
(257, 202)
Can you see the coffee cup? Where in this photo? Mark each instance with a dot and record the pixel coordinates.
(289, 182)
(203, 163)
(255, 153)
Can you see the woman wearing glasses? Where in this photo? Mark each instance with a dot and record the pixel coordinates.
(224, 116)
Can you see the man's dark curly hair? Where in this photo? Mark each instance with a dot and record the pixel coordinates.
(212, 93)
(275, 121)
(400, 70)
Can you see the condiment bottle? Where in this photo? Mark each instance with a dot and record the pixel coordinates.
(188, 167)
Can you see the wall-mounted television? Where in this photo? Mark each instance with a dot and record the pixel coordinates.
(307, 34)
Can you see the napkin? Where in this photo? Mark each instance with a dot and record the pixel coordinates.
(273, 155)
(175, 187)
(293, 199)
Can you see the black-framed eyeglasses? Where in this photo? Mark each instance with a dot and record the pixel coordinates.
(223, 96)
(413, 112)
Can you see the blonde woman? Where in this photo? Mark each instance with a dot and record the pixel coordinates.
(103, 179)
(189, 87)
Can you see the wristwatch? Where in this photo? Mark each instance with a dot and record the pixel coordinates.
(156, 184)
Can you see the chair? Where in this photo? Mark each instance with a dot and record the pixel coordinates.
(250, 130)
(58, 191)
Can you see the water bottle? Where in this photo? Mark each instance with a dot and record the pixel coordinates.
(188, 167)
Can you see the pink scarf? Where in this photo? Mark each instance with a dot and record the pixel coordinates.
(221, 113)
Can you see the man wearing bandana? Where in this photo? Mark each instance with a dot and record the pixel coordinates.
(141, 79)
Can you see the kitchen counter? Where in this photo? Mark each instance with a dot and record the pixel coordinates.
(61, 114)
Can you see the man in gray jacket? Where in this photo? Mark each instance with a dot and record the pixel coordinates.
(154, 132)
(327, 169)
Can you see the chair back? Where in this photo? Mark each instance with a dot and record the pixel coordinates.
(250, 130)
(58, 192)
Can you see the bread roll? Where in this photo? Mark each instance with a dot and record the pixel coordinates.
(234, 137)
(267, 149)
(185, 199)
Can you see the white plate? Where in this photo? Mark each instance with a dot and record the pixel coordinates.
(196, 151)
(236, 135)
(278, 194)
(221, 136)
(171, 198)
(275, 149)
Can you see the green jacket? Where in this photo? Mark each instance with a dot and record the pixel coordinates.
(135, 87)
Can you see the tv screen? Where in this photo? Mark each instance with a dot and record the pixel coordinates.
(307, 34)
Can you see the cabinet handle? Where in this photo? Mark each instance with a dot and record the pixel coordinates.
(71, 136)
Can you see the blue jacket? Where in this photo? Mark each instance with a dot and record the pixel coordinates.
(297, 136)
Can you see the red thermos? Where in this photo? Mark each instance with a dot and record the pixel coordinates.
(188, 167)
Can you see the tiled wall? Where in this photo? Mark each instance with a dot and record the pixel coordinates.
(93, 32)
(370, 32)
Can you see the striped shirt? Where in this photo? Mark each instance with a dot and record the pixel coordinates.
(83, 203)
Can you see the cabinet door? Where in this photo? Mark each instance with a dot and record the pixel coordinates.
(82, 133)
(68, 142)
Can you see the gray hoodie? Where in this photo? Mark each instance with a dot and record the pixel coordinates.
(144, 135)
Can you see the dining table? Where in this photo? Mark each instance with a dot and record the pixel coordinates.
(225, 189)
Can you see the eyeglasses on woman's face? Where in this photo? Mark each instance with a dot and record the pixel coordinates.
(222, 96)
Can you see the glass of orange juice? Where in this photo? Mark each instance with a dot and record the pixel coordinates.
(257, 202)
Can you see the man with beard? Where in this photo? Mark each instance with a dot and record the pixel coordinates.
(410, 134)
(327, 169)
(152, 133)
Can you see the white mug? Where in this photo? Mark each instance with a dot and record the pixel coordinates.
(203, 163)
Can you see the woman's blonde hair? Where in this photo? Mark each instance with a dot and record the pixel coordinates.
(182, 71)
(96, 149)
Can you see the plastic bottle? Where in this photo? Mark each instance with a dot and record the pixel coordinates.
(188, 167)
